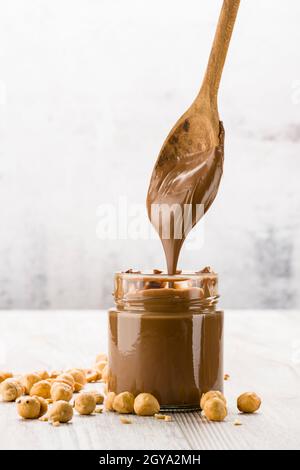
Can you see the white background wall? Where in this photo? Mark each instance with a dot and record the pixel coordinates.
(89, 90)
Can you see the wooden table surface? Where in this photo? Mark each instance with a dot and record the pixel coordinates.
(262, 354)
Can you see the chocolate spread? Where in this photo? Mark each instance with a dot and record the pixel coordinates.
(166, 340)
(186, 175)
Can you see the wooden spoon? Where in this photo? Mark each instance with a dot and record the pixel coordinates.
(190, 164)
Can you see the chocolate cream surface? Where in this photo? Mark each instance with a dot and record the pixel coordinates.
(186, 175)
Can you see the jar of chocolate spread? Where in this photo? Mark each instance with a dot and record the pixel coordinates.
(166, 337)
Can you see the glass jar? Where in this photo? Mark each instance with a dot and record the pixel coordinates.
(166, 337)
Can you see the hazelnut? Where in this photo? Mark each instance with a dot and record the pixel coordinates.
(211, 394)
(98, 396)
(43, 374)
(78, 387)
(123, 403)
(146, 404)
(61, 412)
(92, 375)
(28, 380)
(61, 391)
(28, 407)
(67, 379)
(109, 401)
(11, 389)
(85, 403)
(5, 375)
(41, 389)
(79, 378)
(55, 373)
(248, 402)
(99, 366)
(101, 357)
(215, 409)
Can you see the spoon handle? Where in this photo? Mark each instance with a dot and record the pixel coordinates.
(219, 49)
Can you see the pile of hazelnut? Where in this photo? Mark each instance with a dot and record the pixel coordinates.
(47, 396)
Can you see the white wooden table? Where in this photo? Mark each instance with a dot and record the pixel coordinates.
(262, 353)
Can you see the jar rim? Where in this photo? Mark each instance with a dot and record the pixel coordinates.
(141, 290)
(183, 276)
